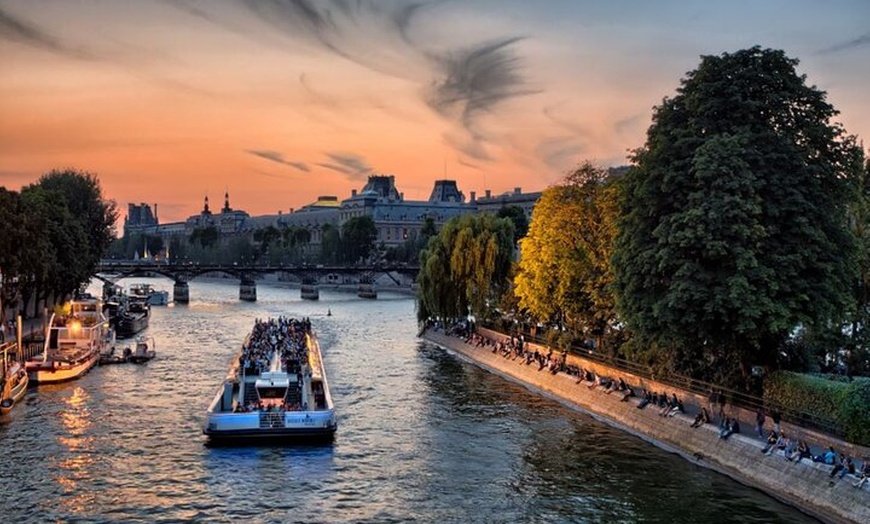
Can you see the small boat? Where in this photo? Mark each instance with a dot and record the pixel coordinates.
(73, 344)
(111, 358)
(133, 317)
(143, 352)
(309, 292)
(153, 296)
(366, 290)
(13, 384)
(274, 393)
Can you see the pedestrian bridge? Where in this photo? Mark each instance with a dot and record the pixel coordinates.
(309, 276)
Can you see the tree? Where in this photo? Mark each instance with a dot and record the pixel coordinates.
(564, 273)
(59, 265)
(330, 247)
(519, 219)
(358, 237)
(13, 241)
(733, 224)
(465, 268)
(205, 237)
(84, 199)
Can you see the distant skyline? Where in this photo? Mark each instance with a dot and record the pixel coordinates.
(280, 101)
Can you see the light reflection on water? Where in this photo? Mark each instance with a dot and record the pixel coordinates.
(422, 437)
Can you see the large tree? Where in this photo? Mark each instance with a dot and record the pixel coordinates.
(358, 237)
(464, 269)
(84, 199)
(564, 273)
(733, 231)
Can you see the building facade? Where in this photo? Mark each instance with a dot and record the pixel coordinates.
(397, 220)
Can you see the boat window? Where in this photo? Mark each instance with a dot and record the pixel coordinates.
(271, 392)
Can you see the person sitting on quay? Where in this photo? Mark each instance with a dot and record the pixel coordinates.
(789, 447)
(864, 474)
(844, 466)
(829, 457)
(732, 426)
(677, 407)
(647, 398)
(802, 452)
(772, 437)
(702, 418)
(627, 393)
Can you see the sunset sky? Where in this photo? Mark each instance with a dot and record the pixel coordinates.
(281, 101)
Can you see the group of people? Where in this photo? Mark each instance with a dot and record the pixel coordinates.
(793, 450)
(286, 336)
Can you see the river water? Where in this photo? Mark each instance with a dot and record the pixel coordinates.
(422, 437)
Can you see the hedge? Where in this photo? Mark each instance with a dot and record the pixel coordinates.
(842, 406)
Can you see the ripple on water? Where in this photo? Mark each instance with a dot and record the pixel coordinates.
(423, 437)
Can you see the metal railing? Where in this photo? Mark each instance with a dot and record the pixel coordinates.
(699, 387)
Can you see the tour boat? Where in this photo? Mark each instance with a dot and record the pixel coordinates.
(153, 296)
(13, 384)
(73, 344)
(276, 388)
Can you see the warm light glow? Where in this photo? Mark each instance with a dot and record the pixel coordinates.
(75, 327)
(171, 101)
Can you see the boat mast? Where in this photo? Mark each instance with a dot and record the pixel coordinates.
(47, 339)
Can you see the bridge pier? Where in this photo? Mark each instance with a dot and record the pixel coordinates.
(248, 290)
(181, 292)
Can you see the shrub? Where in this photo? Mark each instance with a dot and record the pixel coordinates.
(843, 407)
(855, 412)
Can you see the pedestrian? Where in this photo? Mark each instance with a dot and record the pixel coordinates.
(776, 417)
(760, 417)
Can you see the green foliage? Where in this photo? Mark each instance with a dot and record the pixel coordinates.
(204, 237)
(519, 219)
(358, 237)
(855, 412)
(564, 273)
(733, 227)
(844, 405)
(465, 268)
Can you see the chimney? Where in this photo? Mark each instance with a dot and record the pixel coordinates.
(473, 197)
(155, 214)
(353, 192)
(488, 193)
(518, 190)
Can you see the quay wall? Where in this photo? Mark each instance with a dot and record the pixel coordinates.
(805, 485)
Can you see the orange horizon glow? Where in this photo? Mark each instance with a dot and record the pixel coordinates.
(169, 102)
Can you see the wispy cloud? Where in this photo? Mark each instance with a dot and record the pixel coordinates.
(860, 41)
(275, 156)
(17, 30)
(559, 152)
(459, 84)
(355, 166)
(473, 81)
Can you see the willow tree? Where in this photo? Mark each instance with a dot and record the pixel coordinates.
(464, 268)
(734, 225)
(564, 274)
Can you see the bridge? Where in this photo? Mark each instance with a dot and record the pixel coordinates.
(110, 272)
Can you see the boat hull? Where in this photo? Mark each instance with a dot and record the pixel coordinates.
(287, 426)
(16, 394)
(52, 372)
(128, 326)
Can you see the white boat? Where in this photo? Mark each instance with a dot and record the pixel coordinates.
(155, 297)
(73, 343)
(13, 383)
(276, 388)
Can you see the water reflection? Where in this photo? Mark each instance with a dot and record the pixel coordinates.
(422, 437)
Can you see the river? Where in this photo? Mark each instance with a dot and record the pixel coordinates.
(422, 437)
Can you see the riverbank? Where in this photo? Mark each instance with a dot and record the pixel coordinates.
(805, 485)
